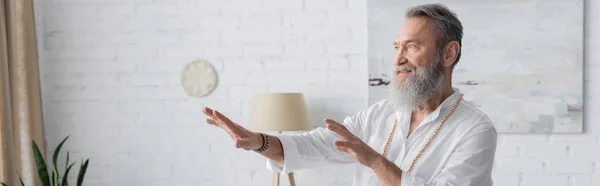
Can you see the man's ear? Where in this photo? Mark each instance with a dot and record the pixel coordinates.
(450, 53)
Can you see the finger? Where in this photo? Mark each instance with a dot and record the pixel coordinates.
(344, 146)
(241, 143)
(221, 117)
(227, 123)
(335, 123)
(213, 115)
(343, 149)
(234, 130)
(215, 123)
(212, 122)
(238, 143)
(208, 112)
(341, 132)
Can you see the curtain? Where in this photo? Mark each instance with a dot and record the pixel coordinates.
(20, 96)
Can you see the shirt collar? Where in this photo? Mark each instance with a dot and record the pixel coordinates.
(447, 103)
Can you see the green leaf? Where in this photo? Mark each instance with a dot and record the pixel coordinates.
(65, 181)
(54, 159)
(54, 178)
(67, 162)
(21, 180)
(41, 165)
(3, 184)
(82, 171)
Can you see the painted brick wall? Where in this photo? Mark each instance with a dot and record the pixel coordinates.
(111, 68)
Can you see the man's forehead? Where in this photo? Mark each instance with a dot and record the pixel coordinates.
(414, 28)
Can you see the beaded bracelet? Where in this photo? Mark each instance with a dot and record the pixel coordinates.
(266, 142)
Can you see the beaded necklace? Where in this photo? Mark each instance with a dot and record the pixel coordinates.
(430, 138)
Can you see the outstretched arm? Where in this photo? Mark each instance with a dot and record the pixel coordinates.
(387, 172)
(290, 152)
(244, 138)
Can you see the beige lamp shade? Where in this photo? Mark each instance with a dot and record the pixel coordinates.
(279, 112)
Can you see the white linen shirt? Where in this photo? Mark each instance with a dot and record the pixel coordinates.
(462, 153)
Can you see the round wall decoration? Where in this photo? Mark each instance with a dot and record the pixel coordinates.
(199, 78)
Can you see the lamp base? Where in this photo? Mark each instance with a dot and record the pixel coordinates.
(290, 177)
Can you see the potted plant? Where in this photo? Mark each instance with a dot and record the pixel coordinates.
(42, 168)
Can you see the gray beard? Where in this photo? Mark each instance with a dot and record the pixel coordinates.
(420, 87)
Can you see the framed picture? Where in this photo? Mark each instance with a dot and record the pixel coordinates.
(521, 63)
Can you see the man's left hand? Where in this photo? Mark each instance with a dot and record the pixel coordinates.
(352, 145)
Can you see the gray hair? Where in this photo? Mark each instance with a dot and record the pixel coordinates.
(449, 28)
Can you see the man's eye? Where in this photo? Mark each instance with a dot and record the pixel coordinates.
(412, 46)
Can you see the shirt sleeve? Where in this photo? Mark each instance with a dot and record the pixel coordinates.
(470, 164)
(315, 149)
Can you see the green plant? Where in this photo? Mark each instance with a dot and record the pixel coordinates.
(42, 168)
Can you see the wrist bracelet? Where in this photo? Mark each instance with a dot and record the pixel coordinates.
(263, 141)
(266, 142)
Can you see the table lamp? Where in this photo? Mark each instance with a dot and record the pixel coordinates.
(278, 112)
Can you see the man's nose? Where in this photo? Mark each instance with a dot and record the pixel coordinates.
(400, 57)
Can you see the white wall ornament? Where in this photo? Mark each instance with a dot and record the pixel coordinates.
(199, 78)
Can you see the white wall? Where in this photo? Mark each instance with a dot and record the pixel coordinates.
(110, 81)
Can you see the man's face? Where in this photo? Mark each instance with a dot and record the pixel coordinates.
(415, 47)
(417, 65)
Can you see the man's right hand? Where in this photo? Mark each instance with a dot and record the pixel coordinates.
(242, 137)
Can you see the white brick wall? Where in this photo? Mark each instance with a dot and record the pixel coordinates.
(110, 81)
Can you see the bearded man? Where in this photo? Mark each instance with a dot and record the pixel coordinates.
(425, 134)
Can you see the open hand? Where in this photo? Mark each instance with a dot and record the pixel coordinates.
(242, 137)
(352, 145)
